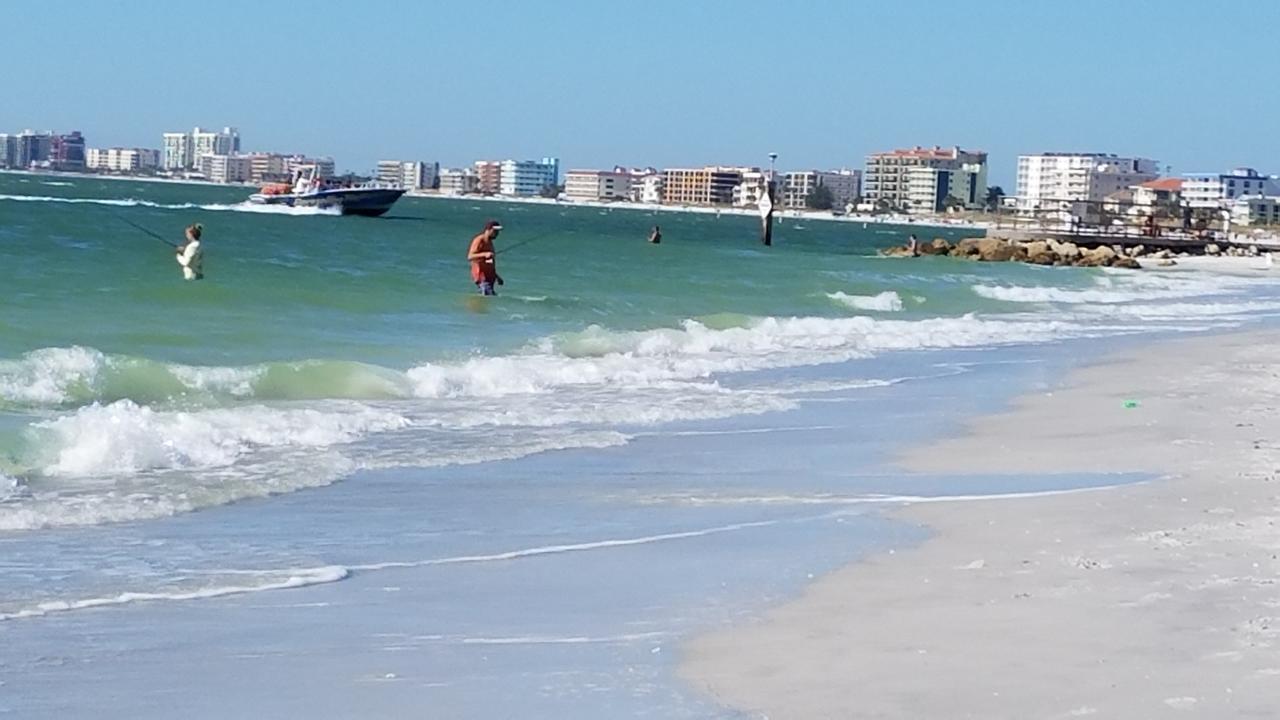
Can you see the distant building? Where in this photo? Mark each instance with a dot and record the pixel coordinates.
(1255, 210)
(411, 175)
(710, 185)
(886, 182)
(1220, 190)
(226, 168)
(183, 151)
(1166, 192)
(845, 187)
(647, 187)
(324, 166)
(528, 178)
(598, 184)
(67, 152)
(121, 160)
(268, 167)
(751, 188)
(931, 190)
(488, 176)
(459, 181)
(30, 148)
(8, 143)
(208, 142)
(1061, 179)
(176, 150)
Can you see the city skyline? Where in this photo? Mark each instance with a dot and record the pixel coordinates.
(824, 84)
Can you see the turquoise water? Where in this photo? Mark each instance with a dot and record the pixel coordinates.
(319, 345)
(397, 291)
(514, 503)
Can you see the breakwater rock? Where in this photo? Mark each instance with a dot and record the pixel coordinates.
(1056, 252)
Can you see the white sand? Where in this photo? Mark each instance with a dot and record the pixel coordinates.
(1154, 600)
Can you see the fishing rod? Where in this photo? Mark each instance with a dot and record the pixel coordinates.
(139, 227)
(522, 242)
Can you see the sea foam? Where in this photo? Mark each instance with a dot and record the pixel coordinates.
(124, 437)
(887, 301)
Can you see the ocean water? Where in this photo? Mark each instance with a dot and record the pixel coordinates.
(483, 477)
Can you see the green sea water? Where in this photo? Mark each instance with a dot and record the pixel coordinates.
(396, 290)
(320, 344)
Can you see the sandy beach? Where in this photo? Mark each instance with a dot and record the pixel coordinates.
(1156, 599)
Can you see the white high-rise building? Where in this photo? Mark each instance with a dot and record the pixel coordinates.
(1213, 190)
(528, 178)
(224, 142)
(1062, 178)
(182, 151)
(177, 151)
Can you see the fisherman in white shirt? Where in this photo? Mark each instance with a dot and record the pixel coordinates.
(190, 257)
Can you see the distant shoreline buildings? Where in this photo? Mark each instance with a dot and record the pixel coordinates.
(920, 180)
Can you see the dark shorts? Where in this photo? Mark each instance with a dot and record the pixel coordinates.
(486, 288)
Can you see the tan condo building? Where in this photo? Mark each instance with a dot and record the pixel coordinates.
(710, 185)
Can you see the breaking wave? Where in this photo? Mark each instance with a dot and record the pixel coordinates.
(217, 207)
(887, 301)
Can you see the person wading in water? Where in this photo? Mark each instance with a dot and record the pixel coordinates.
(484, 269)
(189, 254)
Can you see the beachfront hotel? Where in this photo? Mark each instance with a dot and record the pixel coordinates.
(592, 185)
(528, 178)
(459, 181)
(887, 181)
(1213, 190)
(122, 160)
(710, 185)
(488, 176)
(408, 174)
(845, 187)
(1078, 177)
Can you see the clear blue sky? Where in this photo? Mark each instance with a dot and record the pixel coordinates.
(658, 82)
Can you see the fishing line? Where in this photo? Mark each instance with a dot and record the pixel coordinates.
(139, 227)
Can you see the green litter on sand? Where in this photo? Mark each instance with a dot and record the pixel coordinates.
(1131, 404)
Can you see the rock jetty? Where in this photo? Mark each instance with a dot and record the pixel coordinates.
(1055, 252)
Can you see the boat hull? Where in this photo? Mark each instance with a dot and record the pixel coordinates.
(369, 202)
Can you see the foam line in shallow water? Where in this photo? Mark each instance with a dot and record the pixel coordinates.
(301, 577)
(281, 580)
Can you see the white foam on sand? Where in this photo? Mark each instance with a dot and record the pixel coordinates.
(239, 582)
(267, 580)
(1120, 574)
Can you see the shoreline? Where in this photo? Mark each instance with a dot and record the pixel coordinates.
(906, 220)
(1135, 601)
(793, 215)
(130, 178)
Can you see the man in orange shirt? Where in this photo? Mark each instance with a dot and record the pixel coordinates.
(484, 270)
